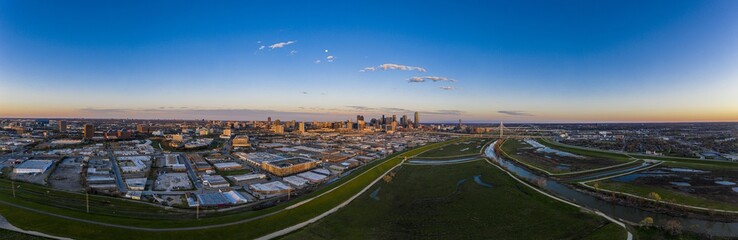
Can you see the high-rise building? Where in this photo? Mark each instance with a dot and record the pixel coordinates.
(141, 128)
(360, 125)
(269, 121)
(394, 118)
(62, 125)
(403, 121)
(88, 131)
(278, 129)
(301, 127)
(124, 134)
(417, 120)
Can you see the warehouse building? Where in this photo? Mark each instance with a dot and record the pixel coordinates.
(289, 166)
(33, 167)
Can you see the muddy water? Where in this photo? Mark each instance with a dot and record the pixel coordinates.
(631, 214)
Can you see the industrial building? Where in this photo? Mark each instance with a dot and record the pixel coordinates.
(289, 166)
(33, 166)
(241, 141)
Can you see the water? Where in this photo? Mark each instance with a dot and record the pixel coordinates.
(608, 173)
(374, 194)
(686, 170)
(542, 148)
(681, 184)
(725, 183)
(631, 214)
(478, 180)
(634, 176)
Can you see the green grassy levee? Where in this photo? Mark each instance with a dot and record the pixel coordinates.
(445, 202)
(453, 149)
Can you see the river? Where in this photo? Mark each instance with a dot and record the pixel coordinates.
(627, 213)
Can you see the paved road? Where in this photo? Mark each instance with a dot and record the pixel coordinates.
(191, 171)
(118, 175)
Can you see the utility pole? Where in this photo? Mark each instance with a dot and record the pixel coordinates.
(13, 187)
(87, 199)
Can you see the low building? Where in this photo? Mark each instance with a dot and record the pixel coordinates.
(248, 177)
(173, 162)
(220, 199)
(199, 162)
(241, 141)
(289, 166)
(136, 184)
(215, 181)
(314, 178)
(228, 166)
(33, 166)
(296, 181)
(264, 190)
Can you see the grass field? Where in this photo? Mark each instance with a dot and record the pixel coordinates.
(702, 192)
(277, 220)
(615, 155)
(667, 195)
(460, 147)
(552, 163)
(445, 202)
(234, 172)
(10, 235)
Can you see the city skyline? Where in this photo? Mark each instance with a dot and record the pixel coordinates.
(620, 61)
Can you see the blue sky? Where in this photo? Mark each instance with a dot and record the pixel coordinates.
(537, 61)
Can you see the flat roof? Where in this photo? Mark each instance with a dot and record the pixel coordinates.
(35, 164)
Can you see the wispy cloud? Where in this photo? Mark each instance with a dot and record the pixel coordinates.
(293, 52)
(330, 58)
(303, 92)
(393, 66)
(429, 78)
(281, 44)
(515, 113)
(447, 88)
(261, 47)
(317, 61)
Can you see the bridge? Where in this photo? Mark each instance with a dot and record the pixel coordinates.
(504, 132)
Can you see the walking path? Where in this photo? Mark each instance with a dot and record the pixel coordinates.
(442, 162)
(4, 224)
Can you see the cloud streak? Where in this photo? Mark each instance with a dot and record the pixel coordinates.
(281, 44)
(447, 88)
(515, 113)
(429, 78)
(393, 66)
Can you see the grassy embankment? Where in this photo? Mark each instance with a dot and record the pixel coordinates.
(445, 202)
(586, 166)
(454, 149)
